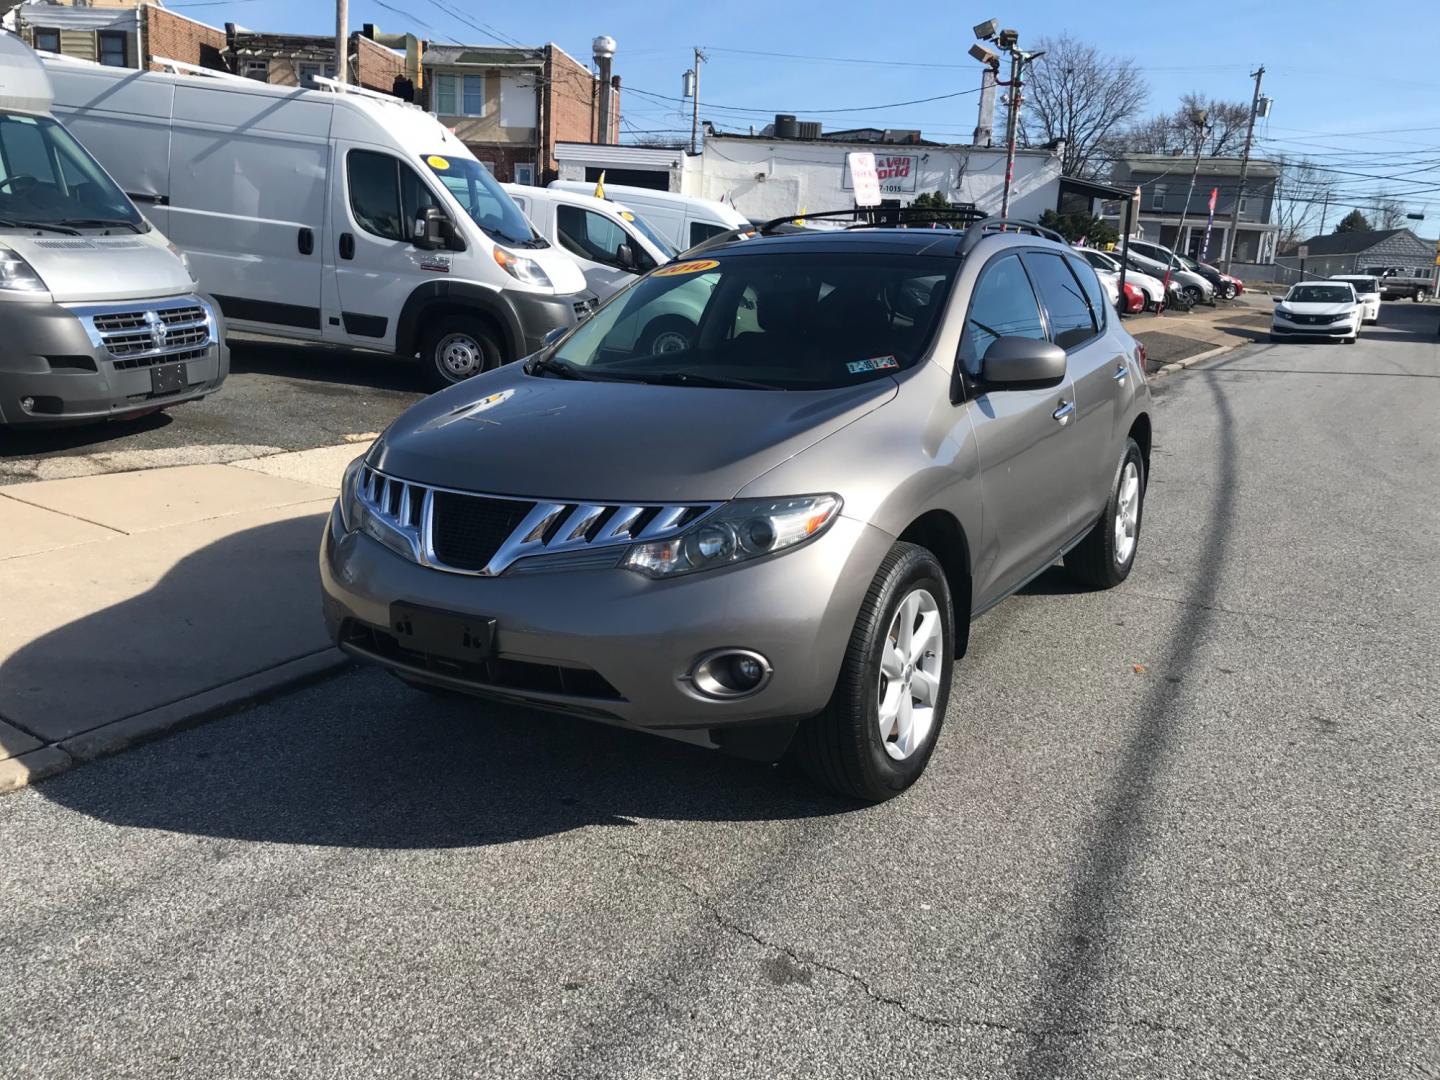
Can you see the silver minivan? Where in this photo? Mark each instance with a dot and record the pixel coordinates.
(772, 536)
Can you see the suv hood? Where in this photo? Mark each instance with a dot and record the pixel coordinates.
(99, 268)
(509, 433)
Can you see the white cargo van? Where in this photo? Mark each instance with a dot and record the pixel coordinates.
(331, 214)
(99, 317)
(612, 243)
(684, 220)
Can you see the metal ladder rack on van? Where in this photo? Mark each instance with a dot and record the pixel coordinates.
(181, 67)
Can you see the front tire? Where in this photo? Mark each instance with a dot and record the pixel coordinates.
(876, 735)
(1420, 295)
(1105, 557)
(457, 348)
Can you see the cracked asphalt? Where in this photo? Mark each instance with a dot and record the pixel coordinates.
(1186, 828)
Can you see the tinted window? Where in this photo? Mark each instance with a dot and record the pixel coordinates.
(703, 230)
(1091, 285)
(1071, 322)
(590, 235)
(386, 195)
(1321, 294)
(1003, 305)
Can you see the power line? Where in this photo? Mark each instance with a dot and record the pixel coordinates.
(748, 110)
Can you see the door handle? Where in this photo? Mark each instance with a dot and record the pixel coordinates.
(1062, 414)
(1121, 372)
(306, 241)
(347, 245)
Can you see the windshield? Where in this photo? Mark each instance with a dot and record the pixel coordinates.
(483, 199)
(772, 321)
(1101, 261)
(1364, 284)
(47, 178)
(647, 230)
(1320, 294)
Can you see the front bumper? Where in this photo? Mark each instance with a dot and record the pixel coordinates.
(536, 314)
(54, 358)
(612, 644)
(1347, 327)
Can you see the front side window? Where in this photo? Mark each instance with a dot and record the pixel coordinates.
(46, 176)
(480, 196)
(460, 95)
(594, 236)
(700, 231)
(386, 195)
(47, 40)
(1003, 305)
(781, 321)
(113, 48)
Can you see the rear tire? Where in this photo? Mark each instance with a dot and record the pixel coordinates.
(456, 348)
(880, 726)
(1420, 295)
(1104, 558)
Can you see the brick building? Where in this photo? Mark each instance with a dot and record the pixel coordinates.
(103, 31)
(296, 59)
(510, 106)
(175, 37)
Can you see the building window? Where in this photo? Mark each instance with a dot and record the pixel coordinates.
(259, 70)
(308, 72)
(460, 95)
(113, 50)
(47, 40)
(524, 172)
(1157, 197)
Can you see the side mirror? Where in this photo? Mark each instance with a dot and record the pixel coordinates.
(625, 256)
(433, 230)
(1276, 299)
(1022, 363)
(552, 336)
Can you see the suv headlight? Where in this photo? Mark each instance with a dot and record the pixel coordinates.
(17, 275)
(352, 510)
(522, 269)
(747, 529)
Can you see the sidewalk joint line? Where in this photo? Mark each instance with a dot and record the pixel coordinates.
(63, 513)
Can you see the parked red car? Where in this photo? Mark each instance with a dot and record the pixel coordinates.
(1134, 300)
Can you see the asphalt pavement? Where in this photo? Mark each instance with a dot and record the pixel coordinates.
(1187, 827)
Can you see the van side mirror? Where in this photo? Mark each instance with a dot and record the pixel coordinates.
(1276, 299)
(625, 256)
(433, 230)
(1022, 363)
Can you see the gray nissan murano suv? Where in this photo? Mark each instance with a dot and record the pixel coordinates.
(755, 501)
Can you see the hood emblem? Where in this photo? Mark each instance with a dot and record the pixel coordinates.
(159, 333)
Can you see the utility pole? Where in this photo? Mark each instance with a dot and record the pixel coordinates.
(700, 58)
(1244, 169)
(1198, 117)
(1324, 212)
(1012, 125)
(342, 44)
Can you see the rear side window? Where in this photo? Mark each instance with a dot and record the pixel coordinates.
(703, 230)
(1003, 305)
(1091, 285)
(1071, 321)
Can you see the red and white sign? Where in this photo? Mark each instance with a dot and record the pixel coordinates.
(861, 175)
(894, 173)
(1214, 193)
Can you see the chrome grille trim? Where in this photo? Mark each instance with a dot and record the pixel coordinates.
(550, 528)
(137, 333)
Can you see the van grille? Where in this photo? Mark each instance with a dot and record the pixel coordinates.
(160, 331)
(470, 533)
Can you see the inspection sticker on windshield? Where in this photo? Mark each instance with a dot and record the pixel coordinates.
(692, 267)
(875, 363)
(435, 161)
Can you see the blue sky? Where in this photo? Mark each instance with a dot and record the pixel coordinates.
(1360, 107)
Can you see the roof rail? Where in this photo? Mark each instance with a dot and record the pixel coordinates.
(337, 87)
(180, 67)
(884, 217)
(990, 225)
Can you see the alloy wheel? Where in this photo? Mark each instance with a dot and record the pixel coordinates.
(1127, 513)
(909, 682)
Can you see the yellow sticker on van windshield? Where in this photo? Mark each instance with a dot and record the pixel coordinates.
(435, 161)
(692, 267)
(627, 215)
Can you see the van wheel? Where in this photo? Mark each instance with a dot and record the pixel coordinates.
(667, 334)
(457, 348)
(1420, 295)
(1103, 559)
(877, 733)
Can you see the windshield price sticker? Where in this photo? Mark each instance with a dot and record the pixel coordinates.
(875, 363)
(692, 267)
(435, 161)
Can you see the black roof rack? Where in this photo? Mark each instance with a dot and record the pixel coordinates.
(991, 225)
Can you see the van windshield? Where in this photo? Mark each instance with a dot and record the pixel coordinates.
(647, 230)
(47, 179)
(484, 199)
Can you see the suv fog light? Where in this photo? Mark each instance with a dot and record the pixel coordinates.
(28, 404)
(730, 673)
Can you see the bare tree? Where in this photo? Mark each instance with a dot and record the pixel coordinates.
(1174, 133)
(1077, 94)
(1387, 212)
(1302, 199)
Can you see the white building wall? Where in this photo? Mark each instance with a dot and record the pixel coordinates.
(777, 178)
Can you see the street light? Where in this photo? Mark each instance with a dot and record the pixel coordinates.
(985, 56)
(987, 30)
(1009, 41)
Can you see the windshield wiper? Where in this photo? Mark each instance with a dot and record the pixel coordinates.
(569, 371)
(19, 223)
(688, 378)
(102, 223)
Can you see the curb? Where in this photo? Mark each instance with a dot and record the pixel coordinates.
(231, 697)
(1181, 365)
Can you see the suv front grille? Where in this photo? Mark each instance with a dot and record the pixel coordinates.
(146, 333)
(469, 533)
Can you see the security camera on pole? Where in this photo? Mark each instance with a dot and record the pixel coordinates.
(1009, 40)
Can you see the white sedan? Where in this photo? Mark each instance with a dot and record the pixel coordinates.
(1367, 289)
(1318, 309)
(1153, 288)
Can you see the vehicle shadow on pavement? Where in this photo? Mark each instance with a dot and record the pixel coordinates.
(1074, 988)
(32, 442)
(316, 362)
(358, 760)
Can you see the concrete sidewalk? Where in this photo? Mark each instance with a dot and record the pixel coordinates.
(135, 601)
(1178, 336)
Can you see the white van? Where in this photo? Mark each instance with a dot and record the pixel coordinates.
(684, 220)
(612, 243)
(331, 214)
(99, 316)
